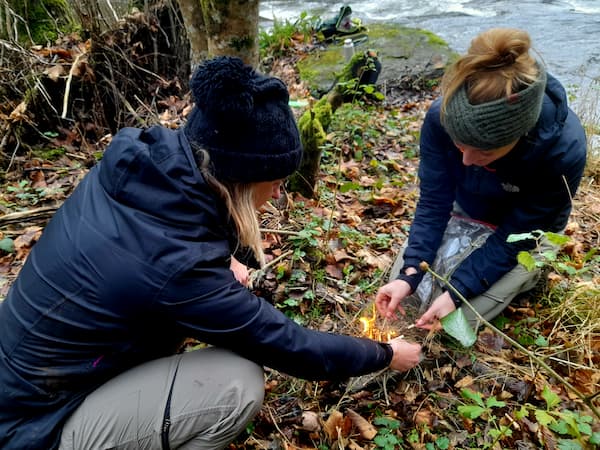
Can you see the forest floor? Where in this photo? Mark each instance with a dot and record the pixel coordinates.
(328, 256)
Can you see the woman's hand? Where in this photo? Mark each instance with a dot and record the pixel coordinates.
(441, 307)
(406, 354)
(390, 296)
(240, 271)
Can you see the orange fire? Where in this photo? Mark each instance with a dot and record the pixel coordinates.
(373, 331)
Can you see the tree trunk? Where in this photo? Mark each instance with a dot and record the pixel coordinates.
(193, 19)
(232, 28)
(95, 16)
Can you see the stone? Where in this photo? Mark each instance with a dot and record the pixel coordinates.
(411, 58)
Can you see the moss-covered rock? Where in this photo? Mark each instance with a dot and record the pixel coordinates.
(407, 55)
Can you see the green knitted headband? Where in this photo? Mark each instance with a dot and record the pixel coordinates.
(497, 123)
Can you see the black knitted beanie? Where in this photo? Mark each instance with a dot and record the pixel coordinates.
(243, 120)
(497, 123)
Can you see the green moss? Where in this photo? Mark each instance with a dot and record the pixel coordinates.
(45, 19)
(434, 39)
(323, 112)
(312, 132)
(313, 137)
(310, 69)
(241, 43)
(399, 49)
(406, 38)
(378, 31)
(50, 154)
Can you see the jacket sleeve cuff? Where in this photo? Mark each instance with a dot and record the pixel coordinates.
(388, 351)
(412, 280)
(455, 299)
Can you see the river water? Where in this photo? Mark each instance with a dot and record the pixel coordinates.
(565, 33)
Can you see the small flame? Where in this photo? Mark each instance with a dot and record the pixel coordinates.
(372, 331)
(366, 325)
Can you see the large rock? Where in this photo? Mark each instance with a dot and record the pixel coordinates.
(411, 58)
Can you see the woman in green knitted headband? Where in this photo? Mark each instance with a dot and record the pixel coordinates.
(501, 153)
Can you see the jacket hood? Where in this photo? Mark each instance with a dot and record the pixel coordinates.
(153, 171)
(553, 115)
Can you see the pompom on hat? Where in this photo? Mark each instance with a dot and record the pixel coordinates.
(497, 123)
(243, 120)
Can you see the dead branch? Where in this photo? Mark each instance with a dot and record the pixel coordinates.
(44, 212)
(587, 400)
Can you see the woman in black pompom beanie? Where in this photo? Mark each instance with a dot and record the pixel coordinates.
(139, 258)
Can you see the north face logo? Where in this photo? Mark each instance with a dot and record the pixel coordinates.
(510, 187)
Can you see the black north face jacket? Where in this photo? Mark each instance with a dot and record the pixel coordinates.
(134, 260)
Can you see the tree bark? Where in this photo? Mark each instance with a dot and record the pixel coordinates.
(193, 19)
(95, 16)
(232, 28)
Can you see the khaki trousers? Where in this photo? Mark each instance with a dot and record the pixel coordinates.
(213, 395)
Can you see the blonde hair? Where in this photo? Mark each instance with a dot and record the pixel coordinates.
(239, 200)
(496, 65)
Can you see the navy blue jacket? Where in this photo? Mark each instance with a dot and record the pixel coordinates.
(135, 260)
(528, 189)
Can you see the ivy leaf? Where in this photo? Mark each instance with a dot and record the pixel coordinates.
(541, 341)
(350, 186)
(549, 255)
(442, 442)
(551, 398)
(584, 428)
(526, 260)
(516, 237)
(471, 411)
(543, 417)
(493, 402)
(560, 427)
(7, 245)
(457, 326)
(567, 269)
(557, 239)
(569, 444)
(523, 412)
(475, 397)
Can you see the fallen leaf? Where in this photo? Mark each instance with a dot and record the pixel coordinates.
(38, 179)
(374, 260)
(19, 113)
(353, 445)
(424, 417)
(25, 241)
(55, 72)
(464, 382)
(333, 422)
(310, 421)
(334, 271)
(366, 430)
(490, 342)
(340, 255)
(337, 426)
